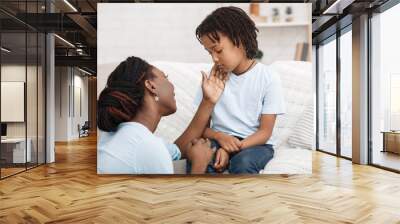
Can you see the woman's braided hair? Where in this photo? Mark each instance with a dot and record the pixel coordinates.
(123, 94)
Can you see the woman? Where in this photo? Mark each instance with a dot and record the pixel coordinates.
(136, 96)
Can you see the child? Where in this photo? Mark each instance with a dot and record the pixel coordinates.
(243, 119)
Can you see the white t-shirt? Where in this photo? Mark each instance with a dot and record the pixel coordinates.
(245, 98)
(134, 149)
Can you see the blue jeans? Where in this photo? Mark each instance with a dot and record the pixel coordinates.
(247, 161)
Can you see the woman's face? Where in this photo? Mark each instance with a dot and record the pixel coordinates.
(165, 92)
(224, 53)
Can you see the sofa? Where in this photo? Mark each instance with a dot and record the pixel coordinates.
(294, 130)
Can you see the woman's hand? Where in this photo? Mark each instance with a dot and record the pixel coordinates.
(213, 85)
(229, 143)
(200, 155)
(221, 160)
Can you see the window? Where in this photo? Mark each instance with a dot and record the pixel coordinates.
(395, 101)
(346, 93)
(327, 97)
(23, 88)
(385, 86)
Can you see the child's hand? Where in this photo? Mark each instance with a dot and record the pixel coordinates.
(229, 143)
(221, 160)
(214, 84)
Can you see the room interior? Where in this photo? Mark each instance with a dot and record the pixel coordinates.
(350, 122)
(294, 131)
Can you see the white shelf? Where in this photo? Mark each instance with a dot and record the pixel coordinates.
(281, 24)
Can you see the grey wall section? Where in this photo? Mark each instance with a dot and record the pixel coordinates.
(92, 98)
(62, 98)
(50, 99)
(360, 90)
(71, 102)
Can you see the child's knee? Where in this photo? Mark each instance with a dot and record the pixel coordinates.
(242, 164)
(251, 162)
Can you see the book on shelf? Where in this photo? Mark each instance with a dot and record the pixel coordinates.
(301, 52)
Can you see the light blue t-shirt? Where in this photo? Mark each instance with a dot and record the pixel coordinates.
(134, 149)
(245, 98)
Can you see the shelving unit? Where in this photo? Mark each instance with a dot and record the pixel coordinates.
(284, 25)
(281, 24)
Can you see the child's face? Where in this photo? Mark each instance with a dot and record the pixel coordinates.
(224, 53)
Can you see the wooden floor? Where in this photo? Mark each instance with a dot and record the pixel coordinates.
(10, 171)
(387, 159)
(70, 191)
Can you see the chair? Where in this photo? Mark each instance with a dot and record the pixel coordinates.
(84, 130)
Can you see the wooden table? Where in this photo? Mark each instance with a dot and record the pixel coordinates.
(391, 141)
(13, 150)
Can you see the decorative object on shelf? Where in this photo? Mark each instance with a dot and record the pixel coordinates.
(301, 52)
(254, 9)
(254, 12)
(289, 16)
(275, 15)
(258, 19)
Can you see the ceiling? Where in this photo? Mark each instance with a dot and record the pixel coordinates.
(76, 22)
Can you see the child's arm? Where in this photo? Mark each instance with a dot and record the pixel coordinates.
(210, 133)
(263, 133)
(227, 142)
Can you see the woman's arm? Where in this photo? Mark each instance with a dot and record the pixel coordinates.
(263, 133)
(200, 154)
(196, 126)
(212, 88)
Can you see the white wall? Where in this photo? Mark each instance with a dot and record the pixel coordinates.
(80, 83)
(167, 32)
(17, 73)
(14, 73)
(66, 119)
(61, 103)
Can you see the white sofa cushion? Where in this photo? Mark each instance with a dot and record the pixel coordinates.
(296, 78)
(303, 134)
(186, 78)
(289, 160)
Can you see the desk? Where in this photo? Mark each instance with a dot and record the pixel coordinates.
(15, 148)
(391, 141)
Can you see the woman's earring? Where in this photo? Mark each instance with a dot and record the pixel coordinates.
(156, 98)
